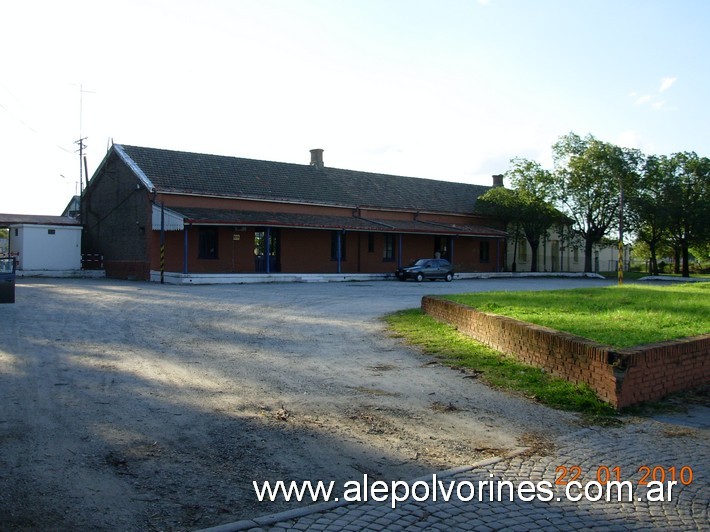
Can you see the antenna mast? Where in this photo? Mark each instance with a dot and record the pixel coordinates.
(83, 168)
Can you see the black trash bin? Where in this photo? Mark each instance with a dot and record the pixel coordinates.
(7, 280)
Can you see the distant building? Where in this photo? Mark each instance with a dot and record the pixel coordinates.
(73, 208)
(559, 252)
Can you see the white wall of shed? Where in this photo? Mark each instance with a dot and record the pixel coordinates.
(40, 250)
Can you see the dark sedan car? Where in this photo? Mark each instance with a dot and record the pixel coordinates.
(427, 269)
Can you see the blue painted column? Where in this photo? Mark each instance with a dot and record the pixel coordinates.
(399, 250)
(267, 250)
(340, 235)
(498, 241)
(184, 249)
(451, 248)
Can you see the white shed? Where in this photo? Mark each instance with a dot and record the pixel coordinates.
(44, 243)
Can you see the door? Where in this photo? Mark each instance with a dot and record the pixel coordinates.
(263, 239)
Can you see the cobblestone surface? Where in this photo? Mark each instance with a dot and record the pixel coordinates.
(660, 447)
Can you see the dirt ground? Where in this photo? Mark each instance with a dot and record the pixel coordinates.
(137, 406)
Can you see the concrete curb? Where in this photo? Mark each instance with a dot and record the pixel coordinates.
(251, 278)
(674, 279)
(288, 515)
(62, 274)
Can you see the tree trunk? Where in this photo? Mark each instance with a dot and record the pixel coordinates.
(654, 259)
(534, 246)
(588, 250)
(686, 259)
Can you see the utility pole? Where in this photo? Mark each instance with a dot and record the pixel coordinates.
(83, 167)
(82, 163)
(621, 232)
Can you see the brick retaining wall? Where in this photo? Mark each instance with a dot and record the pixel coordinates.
(621, 377)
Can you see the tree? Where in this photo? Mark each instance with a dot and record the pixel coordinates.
(648, 209)
(687, 197)
(524, 208)
(533, 185)
(503, 203)
(587, 179)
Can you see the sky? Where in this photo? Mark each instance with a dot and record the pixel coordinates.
(440, 89)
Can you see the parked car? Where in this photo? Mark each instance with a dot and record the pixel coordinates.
(427, 269)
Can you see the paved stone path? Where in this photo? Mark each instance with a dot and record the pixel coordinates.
(664, 443)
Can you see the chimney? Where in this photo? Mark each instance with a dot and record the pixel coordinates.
(497, 180)
(317, 158)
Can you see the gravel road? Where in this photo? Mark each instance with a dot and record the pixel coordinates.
(139, 406)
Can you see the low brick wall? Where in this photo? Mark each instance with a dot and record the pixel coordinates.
(621, 377)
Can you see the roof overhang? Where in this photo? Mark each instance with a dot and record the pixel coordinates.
(177, 218)
(167, 219)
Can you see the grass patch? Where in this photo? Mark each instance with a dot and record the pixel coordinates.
(494, 368)
(620, 316)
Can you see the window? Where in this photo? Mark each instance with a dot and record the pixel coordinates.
(208, 243)
(51, 231)
(334, 237)
(485, 251)
(370, 242)
(388, 252)
(576, 255)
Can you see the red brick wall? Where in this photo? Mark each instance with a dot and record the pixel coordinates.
(621, 377)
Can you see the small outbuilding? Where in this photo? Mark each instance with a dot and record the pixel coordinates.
(43, 244)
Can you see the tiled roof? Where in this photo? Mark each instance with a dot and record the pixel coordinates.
(202, 174)
(35, 219)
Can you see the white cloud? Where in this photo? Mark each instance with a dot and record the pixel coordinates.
(652, 99)
(666, 83)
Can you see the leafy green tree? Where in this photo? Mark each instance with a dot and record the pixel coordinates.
(523, 208)
(587, 180)
(503, 203)
(687, 198)
(702, 253)
(533, 186)
(647, 208)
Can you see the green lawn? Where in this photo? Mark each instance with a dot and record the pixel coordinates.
(620, 316)
(452, 348)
